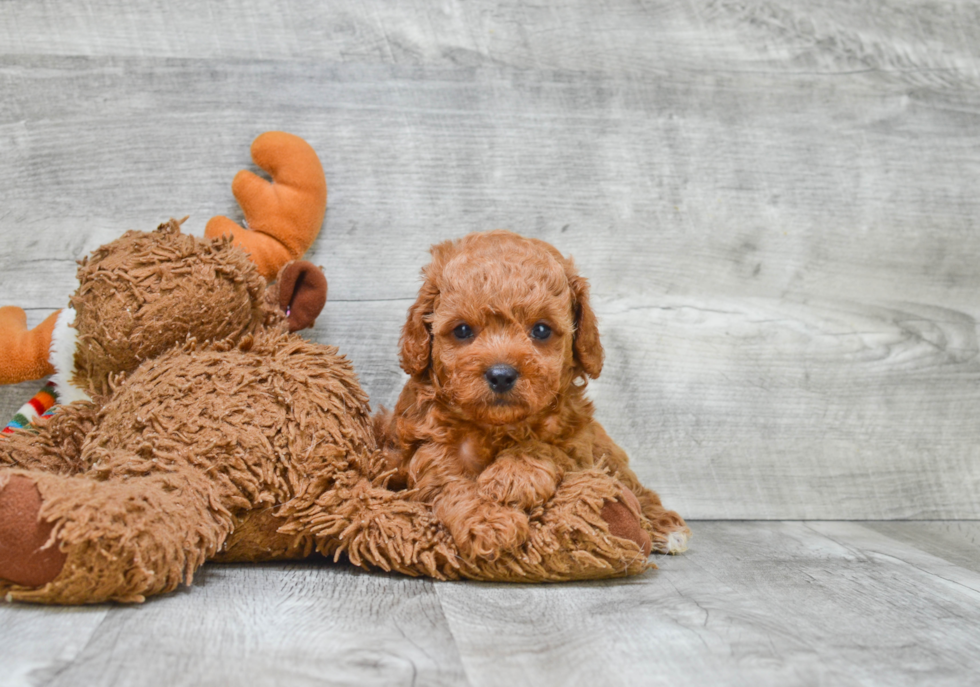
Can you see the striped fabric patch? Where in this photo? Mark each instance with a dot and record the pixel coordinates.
(43, 404)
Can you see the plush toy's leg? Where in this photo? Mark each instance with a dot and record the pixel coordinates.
(284, 216)
(255, 537)
(24, 352)
(121, 539)
(29, 555)
(588, 530)
(56, 446)
(571, 537)
(374, 526)
(667, 529)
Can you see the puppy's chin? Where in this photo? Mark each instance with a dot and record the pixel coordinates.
(507, 409)
(500, 411)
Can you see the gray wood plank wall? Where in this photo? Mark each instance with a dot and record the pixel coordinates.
(776, 203)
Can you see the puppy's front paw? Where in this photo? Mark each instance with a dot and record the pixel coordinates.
(490, 532)
(518, 481)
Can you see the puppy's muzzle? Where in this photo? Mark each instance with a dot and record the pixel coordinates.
(501, 378)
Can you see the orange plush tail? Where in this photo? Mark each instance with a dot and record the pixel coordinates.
(283, 216)
(24, 352)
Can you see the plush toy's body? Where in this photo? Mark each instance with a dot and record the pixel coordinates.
(202, 428)
(147, 486)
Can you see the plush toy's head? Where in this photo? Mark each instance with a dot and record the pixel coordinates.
(147, 292)
(144, 293)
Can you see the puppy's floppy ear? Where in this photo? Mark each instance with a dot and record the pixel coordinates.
(587, 349)
(416, 339)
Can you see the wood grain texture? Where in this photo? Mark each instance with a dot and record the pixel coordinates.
(752, 603)
(776, 204)
(303, 624)
(956, 541)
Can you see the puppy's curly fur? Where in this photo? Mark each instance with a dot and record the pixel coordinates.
(500, 345)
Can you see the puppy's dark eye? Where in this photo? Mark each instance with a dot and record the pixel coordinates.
(541, 331)
(463, 332)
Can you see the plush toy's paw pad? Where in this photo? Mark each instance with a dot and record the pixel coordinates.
(26, 557)
(624, 524)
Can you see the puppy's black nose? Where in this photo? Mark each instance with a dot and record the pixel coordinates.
(501, 378)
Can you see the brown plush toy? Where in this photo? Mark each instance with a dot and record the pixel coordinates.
(197, 426)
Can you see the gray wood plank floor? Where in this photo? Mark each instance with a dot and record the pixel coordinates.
(753, 603)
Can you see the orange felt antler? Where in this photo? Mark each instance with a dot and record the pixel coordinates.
(24, 352)
(284, 216)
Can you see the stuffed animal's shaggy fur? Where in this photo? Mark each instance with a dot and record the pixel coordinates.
(234, 418)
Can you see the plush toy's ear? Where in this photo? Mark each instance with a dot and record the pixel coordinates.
(284, 216)
(587, 348)
(24, 352)
(302, 293)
